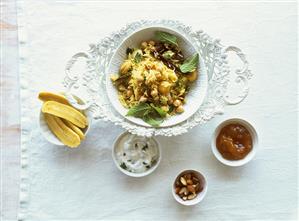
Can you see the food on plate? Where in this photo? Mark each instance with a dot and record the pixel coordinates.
(66, 122)
(65, 112)
(49, 96)
(155, 78)
(62, 132)
(234, 142)
(188, 186)
(136, 154)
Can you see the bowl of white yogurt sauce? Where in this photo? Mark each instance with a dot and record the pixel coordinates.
(136, 156)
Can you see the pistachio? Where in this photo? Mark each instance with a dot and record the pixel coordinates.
(183, 181)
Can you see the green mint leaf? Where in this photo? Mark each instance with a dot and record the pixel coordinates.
(161, 112)
(149, 113)
(139, 110)
(190, 64)
(155, 122)
(166, 37)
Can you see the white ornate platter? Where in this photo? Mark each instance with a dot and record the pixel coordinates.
(91, 82)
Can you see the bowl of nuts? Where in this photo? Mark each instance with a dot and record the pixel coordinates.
(189, 187)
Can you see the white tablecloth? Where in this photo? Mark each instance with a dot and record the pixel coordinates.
(60, 183)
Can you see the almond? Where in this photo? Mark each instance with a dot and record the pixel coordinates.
(183, 190)
(191, 196)
(191, 188)
(188, 176)
(183, 181)
(190, 182)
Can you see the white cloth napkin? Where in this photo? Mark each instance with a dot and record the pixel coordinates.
(83, 184)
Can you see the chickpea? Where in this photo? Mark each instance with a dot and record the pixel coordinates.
(139, 78)
(165, 108)
(177, 103)
(125, 67)
(157, 98)
(144, 44)
(154, 93)
(192, 76)
(164, 87)
(129, 93)
(152, 43)
(170, 100)
(121, 88)
(143, 99)
(180, 109)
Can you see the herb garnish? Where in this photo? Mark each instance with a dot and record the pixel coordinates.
(166, 38)
(190, 64)
(149, 113)
(123, 165)
(138, 57)
(145, 147)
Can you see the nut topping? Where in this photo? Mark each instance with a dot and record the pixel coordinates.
(183, 181)
(188, 186)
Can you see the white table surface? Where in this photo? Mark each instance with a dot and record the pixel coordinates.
(265, 32)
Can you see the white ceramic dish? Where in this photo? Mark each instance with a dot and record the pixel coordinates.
(47, 133)
(131, 174)
(197, 91)
(200, 196)
(250, 155)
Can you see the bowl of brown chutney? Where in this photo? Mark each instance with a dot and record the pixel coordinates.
(234, 142)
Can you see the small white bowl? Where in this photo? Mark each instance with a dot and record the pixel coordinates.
(200, 196)
(131, 174)
(48, 134)
(249, 156)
